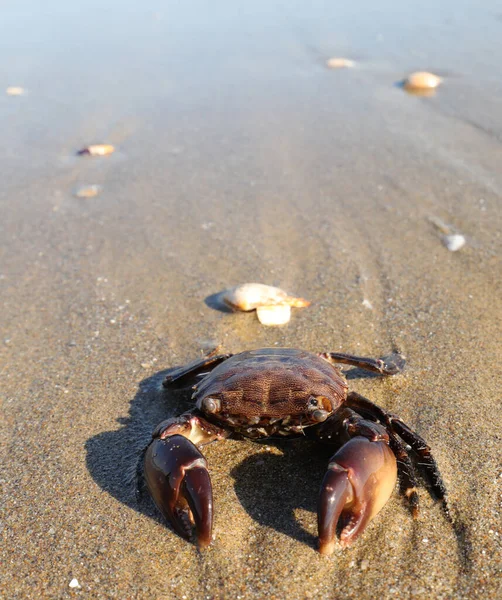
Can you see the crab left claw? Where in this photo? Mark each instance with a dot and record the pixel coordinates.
(360, 479)
(177, 478)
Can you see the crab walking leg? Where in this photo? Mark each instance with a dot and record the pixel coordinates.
(388, 365)
(407, 477)
(427, 463)
(360, 479)
(177, 476)
(206, 364)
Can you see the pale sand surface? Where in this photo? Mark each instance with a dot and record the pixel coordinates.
(242, 158)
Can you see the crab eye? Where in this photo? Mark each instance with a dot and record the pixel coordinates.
(211, 405)
(313, 402)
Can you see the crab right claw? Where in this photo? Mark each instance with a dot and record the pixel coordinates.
(177, 478)
(360, 479)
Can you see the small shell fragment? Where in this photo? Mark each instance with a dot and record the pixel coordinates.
(340, 63)
(451, 239)
(75, 584)
(279, 314)
(87, 191)
(422, 80)
(250, 296)
(97, 150)
(454, 241)
(14, 91)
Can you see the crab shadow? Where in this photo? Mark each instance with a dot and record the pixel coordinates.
(271, 487)
(215, 301)
(113, 457)
(275, 489)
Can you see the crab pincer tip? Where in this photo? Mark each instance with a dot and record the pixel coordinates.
(198, 493)
(327, 548)
(394, 363)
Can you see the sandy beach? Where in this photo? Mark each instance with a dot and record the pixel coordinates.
(240, 157)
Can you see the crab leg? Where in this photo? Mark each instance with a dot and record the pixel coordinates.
(177, 476)
(206, 364)
(388, 365)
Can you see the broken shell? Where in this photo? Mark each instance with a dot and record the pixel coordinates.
(339, 63)
(367, 304)
(422, 80)
(249, 296)
(14, 91)
(279, 314)
(454, 241)
(87, 191)
(97, 150)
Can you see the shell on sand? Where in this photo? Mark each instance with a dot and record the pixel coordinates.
(87, 191)
(339, 63)
(280, 314)
(451, 239)
(454, 241)
(14, 91)
(250, 296)
(422, 80)
(97, 150)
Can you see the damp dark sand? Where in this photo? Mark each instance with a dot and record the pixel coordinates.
(241, 157)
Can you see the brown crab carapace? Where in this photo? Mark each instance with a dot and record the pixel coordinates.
(285, 392)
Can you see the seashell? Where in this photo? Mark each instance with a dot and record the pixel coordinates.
(340, 63)
(87, 191)
(454, 241)
(422, 80)
(450, 238)
(14, 91)
(279, 314)
(249, 296)
(97, 150)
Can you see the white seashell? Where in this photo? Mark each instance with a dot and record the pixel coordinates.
(340, 63)
(14, 91)
(454, 242)
(279, 314)
(75, 584)
(422, 80)
(249, 296)
(87, 191)
(98, 150)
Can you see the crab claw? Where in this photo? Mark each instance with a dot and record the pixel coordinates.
(358, 483)
(177, 478)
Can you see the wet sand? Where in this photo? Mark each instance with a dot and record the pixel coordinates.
(241, 157)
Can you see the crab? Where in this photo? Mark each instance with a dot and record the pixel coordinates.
(283, 392)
